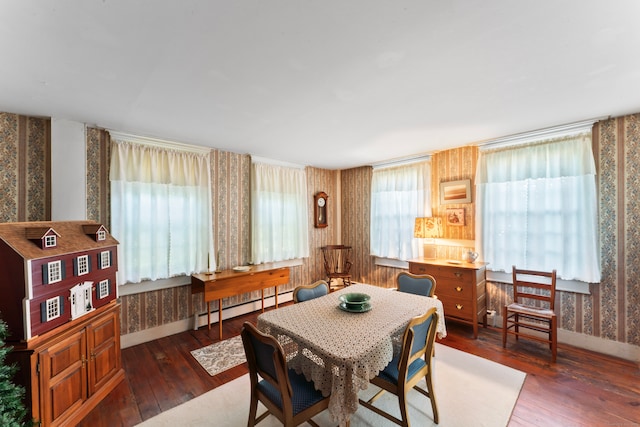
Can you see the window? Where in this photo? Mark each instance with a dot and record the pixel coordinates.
(82, 265)
(161, 211)
(50, 241)
(105, 259)
(54, 271)
(279, 229)
(537, 207)
(399, 195)
(103, 289)
(102, 235)
(51, 309)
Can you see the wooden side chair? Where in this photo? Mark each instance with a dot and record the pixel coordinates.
(287, 395)
(407, 369)
(423, 284)
(534, 294)
(309, 292)
(337, 263)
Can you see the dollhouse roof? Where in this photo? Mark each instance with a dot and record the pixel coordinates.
(37, 233)
(92, 229)
(71, 237)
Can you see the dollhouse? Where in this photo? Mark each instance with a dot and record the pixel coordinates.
(53, 272)
(59, 300)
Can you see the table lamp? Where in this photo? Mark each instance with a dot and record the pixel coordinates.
(428, 228)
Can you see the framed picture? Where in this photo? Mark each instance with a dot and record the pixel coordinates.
(455, 192)
(455, 216)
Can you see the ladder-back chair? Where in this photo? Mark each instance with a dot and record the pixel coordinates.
(337, 263)
(534, 294)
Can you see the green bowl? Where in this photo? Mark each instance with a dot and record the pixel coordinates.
(354, 299)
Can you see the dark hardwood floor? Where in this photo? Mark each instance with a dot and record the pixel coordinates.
(582, 389)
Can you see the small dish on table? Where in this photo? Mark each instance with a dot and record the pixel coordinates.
(242, 268)
(355, 302)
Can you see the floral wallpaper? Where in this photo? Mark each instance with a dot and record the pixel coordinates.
(98, 188)
(611, 311)
(231, 218)
(25, 168)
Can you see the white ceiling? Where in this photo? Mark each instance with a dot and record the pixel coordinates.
(326, 83)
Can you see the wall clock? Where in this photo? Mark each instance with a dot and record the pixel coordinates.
(320, 210)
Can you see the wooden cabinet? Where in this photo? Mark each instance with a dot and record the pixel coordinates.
(72, 368)
(461, 288)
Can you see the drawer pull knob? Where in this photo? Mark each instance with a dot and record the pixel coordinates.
(459, 306)
(458, 274)
(458, 288)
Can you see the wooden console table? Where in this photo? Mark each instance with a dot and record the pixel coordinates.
(460, 286)
(228, 283)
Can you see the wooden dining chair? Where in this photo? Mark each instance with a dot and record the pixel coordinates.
(309, 292)
(337, 263)
(287, 395)
(406, 369)
(534, 294)
(423, 284)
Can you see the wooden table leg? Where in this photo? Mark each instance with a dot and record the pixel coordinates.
(220, 317)
(263, 300)
(276, 291)
(208, 316)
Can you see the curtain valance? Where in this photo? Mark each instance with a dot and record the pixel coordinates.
(544, 159)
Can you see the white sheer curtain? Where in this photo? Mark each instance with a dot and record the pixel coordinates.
(537, 208)
(398, 195)
(161, 211)
(279, 226)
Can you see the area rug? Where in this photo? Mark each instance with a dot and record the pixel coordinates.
(470, 391)
(219, 357)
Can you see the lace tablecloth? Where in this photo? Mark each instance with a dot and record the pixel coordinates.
(340, 351)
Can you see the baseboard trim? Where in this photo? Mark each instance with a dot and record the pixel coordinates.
(135, 338)
(600, 345)
(587, 342)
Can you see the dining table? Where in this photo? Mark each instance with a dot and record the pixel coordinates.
(340, 348)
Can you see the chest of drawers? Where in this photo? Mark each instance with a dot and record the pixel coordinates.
(460, 287)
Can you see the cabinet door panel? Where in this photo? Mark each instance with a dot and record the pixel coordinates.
(63, 377)
(68, 394)
(104, 354)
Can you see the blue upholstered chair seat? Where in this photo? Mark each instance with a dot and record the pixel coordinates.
(391, 373)
(304, 392)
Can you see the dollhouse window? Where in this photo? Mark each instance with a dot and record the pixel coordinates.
(52, 309)
(50, 241)
(82, 265)
(54, 271)
(102, 235)
(105, 259)
(103, 289)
